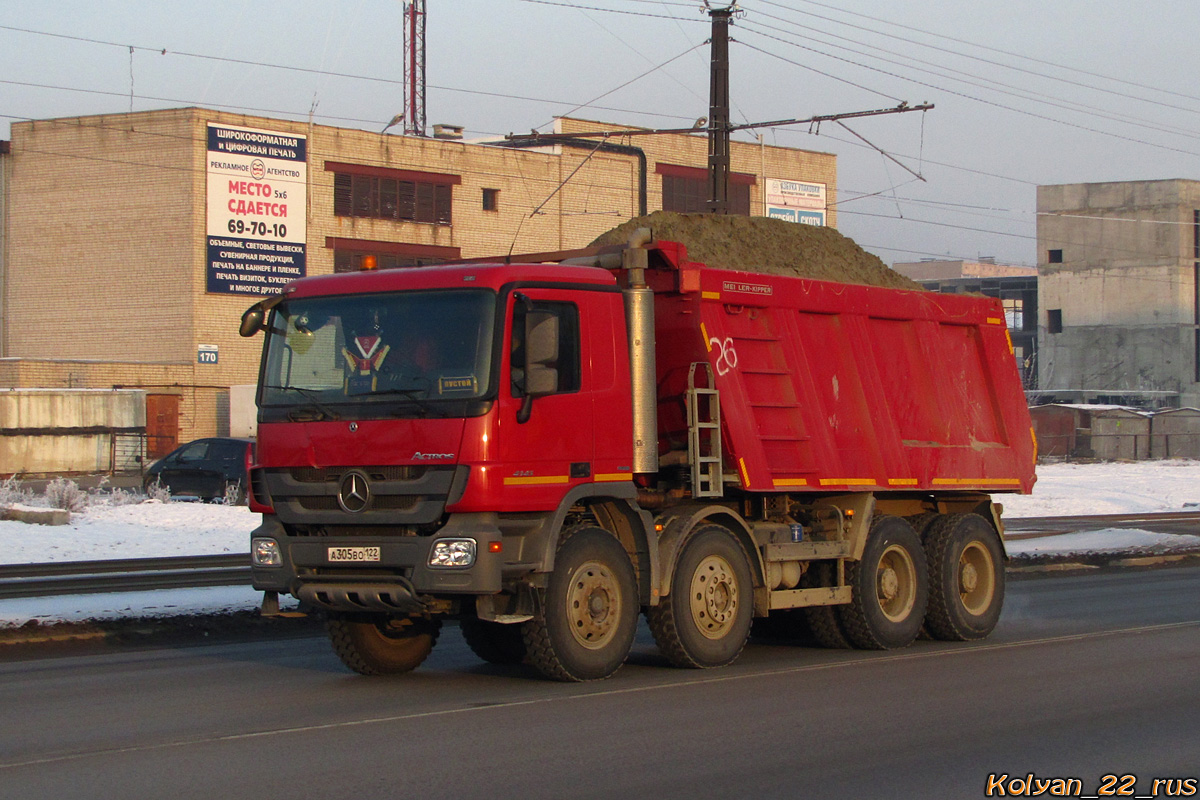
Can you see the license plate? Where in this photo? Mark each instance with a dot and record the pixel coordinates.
(354, 554)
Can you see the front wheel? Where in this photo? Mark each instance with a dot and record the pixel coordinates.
(583, 629)
(704, 620)
(383, 646)
(890, 588)
(966, 577)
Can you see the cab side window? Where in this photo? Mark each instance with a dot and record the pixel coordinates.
(553, 328)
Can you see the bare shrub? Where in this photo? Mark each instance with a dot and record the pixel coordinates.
(66, 494)
(124, 497)
(12, 493)
(158, 491)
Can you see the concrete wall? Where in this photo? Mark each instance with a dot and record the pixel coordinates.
(1123, 284)
(243, 412)
(48, 431)
(949, 270)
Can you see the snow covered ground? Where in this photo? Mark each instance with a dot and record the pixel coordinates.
(155, 529)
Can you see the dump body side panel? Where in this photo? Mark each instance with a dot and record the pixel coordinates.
(838, 387)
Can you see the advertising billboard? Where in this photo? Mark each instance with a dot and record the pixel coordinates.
(796, 201)
(257, 186)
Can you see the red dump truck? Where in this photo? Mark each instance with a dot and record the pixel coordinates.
(543, 447)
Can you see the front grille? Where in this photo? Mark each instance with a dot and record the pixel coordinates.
(389, 502)
(353, 530)
(334, 474)
(399, 496)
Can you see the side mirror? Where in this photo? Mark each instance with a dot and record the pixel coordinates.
(255, 316)
(541, 357)
(252, 320)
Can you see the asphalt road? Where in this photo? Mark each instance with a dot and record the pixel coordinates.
(1085, 677)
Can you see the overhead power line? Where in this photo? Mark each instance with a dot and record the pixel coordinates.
(993, 103)
(989, 84)
(992, 49)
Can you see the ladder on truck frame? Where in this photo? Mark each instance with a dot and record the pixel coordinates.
(704, 434)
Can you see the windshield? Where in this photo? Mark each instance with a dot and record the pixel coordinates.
(415, 347)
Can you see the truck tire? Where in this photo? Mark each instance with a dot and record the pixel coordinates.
(890, 588)
(493, 642)
(823, 620)
(584, 625)
(704, 621)
(966, 578)
(382, 645)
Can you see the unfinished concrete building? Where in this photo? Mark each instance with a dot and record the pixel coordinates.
(1119, 293)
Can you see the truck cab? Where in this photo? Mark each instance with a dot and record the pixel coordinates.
(418, 427)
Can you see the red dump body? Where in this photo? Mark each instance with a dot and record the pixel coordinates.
(840, 387)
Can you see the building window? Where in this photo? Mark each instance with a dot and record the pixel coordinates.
(1056, 257)
(348, 254)
(394, 194)
(1054, 320)
(491, 199)
(1014, 312)
(685, 190)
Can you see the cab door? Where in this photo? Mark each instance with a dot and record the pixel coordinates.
(546, 426)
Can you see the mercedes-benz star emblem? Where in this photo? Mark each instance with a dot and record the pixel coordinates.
(354, 492)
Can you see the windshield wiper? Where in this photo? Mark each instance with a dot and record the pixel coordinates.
(302, 414)
(413, 395)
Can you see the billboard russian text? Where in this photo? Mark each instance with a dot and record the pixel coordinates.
(257, 185)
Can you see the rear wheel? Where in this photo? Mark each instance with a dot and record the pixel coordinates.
(890, 588)
(584, 626)
(384, 645)
(493, 642)
(704, 620)
(966, 578)
(822, 620)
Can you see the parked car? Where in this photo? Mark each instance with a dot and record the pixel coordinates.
(204, 469)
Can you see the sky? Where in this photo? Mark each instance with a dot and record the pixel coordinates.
(1026, 92)
(155, 530)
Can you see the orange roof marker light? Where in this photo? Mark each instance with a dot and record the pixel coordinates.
(368, 262)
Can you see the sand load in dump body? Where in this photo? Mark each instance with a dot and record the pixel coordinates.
(834, 387)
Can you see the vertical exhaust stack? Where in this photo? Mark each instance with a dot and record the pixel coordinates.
(639, 320)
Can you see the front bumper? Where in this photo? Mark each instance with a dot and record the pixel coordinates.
(401, 581)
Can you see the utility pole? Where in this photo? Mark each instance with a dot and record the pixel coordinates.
(718, 111)
(719, 125)
(414, 67)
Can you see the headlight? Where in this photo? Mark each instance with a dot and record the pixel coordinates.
(452, 553)
(265, 553)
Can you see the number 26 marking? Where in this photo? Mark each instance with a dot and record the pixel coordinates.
(727, 358)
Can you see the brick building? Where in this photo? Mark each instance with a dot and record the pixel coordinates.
(131, 243)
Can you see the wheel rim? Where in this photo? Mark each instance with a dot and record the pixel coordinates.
(896, 583)
(976, 578)
(714, 597)
(593, 605)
